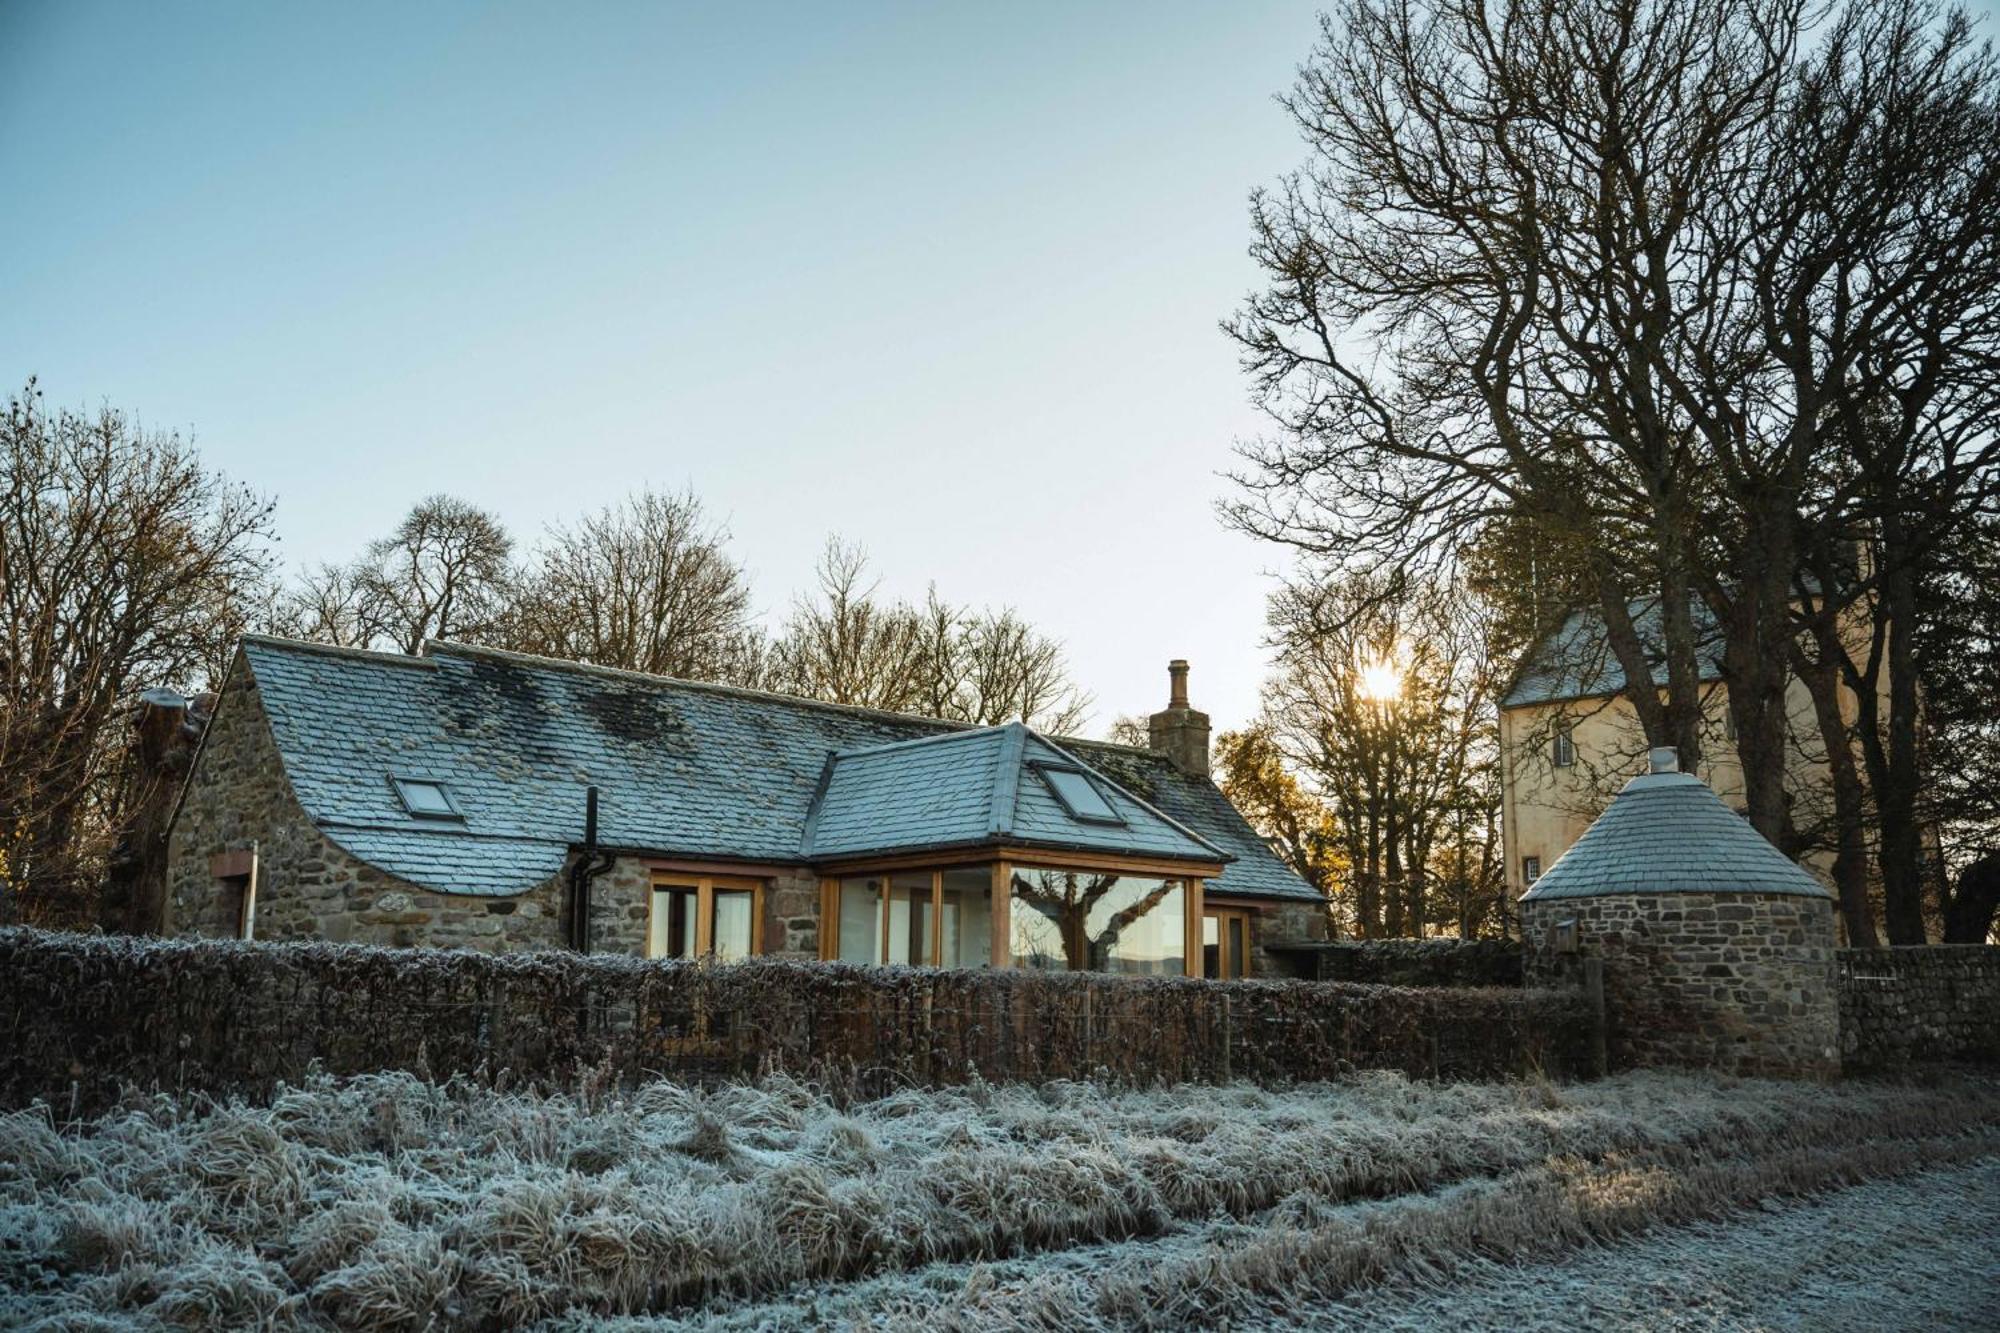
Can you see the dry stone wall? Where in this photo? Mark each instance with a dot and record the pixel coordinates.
(1737, 982)
(1907, 1006)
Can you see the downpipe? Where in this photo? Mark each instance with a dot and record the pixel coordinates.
(590, 863)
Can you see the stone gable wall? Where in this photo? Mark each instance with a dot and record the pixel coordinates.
(308, 886)
(1907, 1006)
(1276, 926)
(1738, 982)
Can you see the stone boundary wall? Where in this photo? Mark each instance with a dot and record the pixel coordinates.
(88, 1015)
(1917, 1005)
(1414, 962)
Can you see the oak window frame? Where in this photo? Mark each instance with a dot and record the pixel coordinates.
(705, 887)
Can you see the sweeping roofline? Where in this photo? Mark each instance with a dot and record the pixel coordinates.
(436, 648)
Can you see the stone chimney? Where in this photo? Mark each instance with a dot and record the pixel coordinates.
(1178, 731)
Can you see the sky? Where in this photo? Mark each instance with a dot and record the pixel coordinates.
(943, 279)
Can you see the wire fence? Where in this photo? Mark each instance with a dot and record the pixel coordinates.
(90, 1016)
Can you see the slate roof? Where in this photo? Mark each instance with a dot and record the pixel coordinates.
(968, 788)
(1670, 833)
(1575, 660)
(683, 769)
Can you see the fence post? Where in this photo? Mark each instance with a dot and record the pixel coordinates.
(1228, 1039)
(1088, 991)
(1593, 989)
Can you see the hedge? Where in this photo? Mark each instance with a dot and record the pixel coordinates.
(91, 1015)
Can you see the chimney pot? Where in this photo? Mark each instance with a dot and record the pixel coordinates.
(1663, 759)
(1177, 696)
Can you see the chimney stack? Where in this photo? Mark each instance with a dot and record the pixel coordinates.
(1179, 731)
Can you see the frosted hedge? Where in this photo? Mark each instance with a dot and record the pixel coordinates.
(89, 1015)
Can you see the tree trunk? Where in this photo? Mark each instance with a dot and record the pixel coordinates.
(1850, 813)
(1896, 794)
(1968, 917)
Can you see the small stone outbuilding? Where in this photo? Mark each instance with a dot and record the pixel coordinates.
(1717, 950)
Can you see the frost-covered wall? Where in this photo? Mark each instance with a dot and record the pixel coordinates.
(87, 1014)
(1916, 1005)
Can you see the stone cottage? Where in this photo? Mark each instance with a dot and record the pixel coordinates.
(475, 798)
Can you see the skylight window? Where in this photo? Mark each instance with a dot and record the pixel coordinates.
(1079, 795)
(425, 798)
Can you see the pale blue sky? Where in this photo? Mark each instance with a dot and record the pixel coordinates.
(942, 278)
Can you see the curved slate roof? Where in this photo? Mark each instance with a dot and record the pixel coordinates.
(975, 788)
(1670, 833)
(683, 769)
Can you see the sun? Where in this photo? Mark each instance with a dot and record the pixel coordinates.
(1379, 679)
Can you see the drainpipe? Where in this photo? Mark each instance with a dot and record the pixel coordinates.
(589, 865)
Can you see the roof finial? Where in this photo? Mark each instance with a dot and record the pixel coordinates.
(1663, 759)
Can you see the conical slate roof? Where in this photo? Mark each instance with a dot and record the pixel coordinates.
(1667, 832)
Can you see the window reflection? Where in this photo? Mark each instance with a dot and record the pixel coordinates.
(1073, 920)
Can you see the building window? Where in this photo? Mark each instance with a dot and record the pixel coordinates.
(702, 917)
(1563, 751)
(921, 918)
(1077, 794)
(426, 798)
(1097, 921)
(1225, 945)
(1531, 869)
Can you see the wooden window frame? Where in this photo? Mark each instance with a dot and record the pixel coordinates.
(1223, 916)
(1003, 868)
(829, 911)
(705, 887)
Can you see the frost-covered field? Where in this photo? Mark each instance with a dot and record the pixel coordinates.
(387, 1202)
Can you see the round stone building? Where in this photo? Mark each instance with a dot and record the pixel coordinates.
(1717, 949)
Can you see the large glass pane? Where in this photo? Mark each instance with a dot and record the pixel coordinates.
(1211, 947)
(861, 920)
(968, 918)
(672, 934)
(731, 933)
(910, 917)
(1094, 921)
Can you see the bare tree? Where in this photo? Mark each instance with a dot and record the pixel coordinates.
(1381, 704)
(442, 574)
(323, 606)
(1630, 273)
(847, 647)
(646, 585)
(984, 667)
(123, 565)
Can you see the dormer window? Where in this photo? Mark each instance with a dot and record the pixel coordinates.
(1073, 788)
(425, 798)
